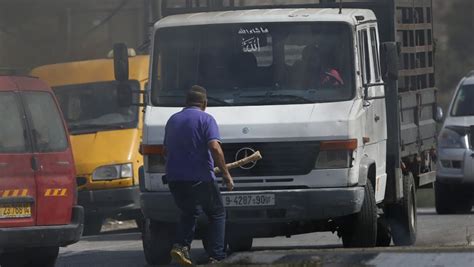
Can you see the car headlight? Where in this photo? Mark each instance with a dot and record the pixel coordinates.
(450, 139)
(112, 172)
(335, 154)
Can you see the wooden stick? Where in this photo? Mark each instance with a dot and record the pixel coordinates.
(252, 158)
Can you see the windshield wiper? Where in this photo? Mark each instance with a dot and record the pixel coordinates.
(215, 99)
(269, 97)
(218, 100)
(95, 127)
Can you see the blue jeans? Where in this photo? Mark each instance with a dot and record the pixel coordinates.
(190, 197)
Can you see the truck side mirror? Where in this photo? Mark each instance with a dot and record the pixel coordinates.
(389, 56)
(121, 62)
(439, 115)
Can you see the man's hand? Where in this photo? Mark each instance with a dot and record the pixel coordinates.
(218, 155)
(229, 182)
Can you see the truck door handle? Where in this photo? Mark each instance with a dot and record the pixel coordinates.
(377, 118)
(3, 164)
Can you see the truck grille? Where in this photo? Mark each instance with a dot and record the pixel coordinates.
(283, 158)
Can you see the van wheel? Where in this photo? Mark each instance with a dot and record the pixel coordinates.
(402, 216)
(157, 241)
(44, 256)
(360, 230)
(92, 224)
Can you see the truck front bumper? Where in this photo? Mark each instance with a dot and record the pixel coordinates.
(110, 202)
(44, 236)
(290, 205)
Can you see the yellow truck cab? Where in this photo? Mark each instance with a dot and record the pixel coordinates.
(105, 134)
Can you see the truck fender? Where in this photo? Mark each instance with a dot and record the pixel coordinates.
(364, 168)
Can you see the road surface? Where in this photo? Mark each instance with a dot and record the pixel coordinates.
(455, 233)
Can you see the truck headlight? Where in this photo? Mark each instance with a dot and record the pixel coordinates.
(335, 154)
(112, 172)
(450, 139)
(335, 159)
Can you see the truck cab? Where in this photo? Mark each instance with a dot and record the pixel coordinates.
(105, 134)
(315, 88)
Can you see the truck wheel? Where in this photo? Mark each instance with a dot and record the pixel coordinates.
(92, 224)
(240, 243)
(360, 230)
(402, 216)
(384, 236)
(45, 256)
(157, 241)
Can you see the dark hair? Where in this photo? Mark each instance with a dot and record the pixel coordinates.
(196, 96)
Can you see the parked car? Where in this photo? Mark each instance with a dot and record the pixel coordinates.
(38, 211)
(455, 179)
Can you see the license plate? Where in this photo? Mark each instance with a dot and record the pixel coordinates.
(250, 200)
(21, 210)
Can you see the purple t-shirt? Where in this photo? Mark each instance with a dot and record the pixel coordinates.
(187, 135)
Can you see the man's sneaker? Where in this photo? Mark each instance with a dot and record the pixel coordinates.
(213, 261)
(180, 255)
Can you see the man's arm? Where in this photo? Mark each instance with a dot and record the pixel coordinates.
(218, 155)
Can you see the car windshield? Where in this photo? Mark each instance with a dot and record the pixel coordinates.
(255, 64)
(93, 107)
(463, 103)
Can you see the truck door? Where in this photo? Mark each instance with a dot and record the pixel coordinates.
(17, 182)
(52, 158)
(375, 128)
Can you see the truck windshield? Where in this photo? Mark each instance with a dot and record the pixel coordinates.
(463, 102)
(94, 107)
(254, 64)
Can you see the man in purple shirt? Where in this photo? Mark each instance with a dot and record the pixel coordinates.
(192, 146)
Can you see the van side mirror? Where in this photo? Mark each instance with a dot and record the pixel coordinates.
(124, 94)
(121, 62)
(389, 56)
(128, 94)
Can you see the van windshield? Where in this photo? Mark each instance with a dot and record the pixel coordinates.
(463, 103)
(255, 64)
(94, 107)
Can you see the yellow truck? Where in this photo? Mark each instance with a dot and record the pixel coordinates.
(105, 134)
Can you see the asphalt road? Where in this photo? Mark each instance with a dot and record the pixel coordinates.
(451, 232)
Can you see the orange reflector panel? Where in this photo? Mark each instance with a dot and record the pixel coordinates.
(339, 145)
(151, 149)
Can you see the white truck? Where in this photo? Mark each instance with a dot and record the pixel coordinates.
(339, 97)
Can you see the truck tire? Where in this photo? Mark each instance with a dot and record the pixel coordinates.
(92, 224)
(157, 239)
(451, 200)
(384, 235)
(402, 216)
(240, 243)
(360, 230)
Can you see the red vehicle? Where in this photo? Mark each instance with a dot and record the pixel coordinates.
(38, 210)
